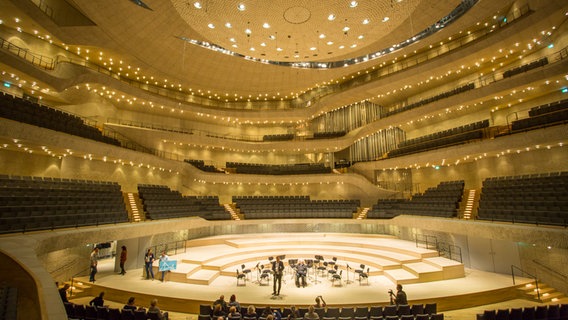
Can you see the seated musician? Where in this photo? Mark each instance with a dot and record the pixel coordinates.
(301, 271)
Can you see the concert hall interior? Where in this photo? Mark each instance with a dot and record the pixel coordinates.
(380, 142)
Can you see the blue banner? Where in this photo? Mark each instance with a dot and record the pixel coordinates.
(168, 265)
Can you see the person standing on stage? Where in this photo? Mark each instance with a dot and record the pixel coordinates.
(277, 269)
(148, 261)
(163, 258)
(94, 261)
(123, 256)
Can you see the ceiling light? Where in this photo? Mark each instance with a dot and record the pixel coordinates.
(212, 26)
(385, 19)
(321, 36)
(241, 7)
(353, 4)
(278, 49)
(247, 31)
(228, 25)
(266, 25)
(331, 17)
(353, 45)
(345, 29)
(341, 47)
(313, 48)
(329, 43)
(232, 40)
(271, 37)
(252, 49)
(197, 5)
(263, 44)
(360, 37)
(366, 21)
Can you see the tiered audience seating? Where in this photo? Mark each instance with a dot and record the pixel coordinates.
(281, 169)
(87, 312)
(278, 137)
(8, 302)
(524, 68)
(160, 202)
(32, 113)
(441, 201)
(537, 198)
(414, 312)
(432, 99)
(200, 164)
(270, 207)
(544, 115)
(36, 203)
(329, 135)
(441, 139)
(544, 312)
(385, 209)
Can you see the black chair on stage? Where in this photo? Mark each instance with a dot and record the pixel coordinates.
(362, 266)
(364, 276)
(245, 271)
(322, 268)
(241, 276)
(337, 277)
(265, 275)
(332, 271)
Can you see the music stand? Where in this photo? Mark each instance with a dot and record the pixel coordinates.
(319, 259)
(348, 281)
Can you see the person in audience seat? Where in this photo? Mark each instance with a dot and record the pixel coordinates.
(154, 309)
(98, 301)
(131, 304)
(311, 314)
(63, 292)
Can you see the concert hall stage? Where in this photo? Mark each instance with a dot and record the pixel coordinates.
(209, 266)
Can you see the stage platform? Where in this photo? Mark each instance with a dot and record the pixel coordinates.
(208, 269)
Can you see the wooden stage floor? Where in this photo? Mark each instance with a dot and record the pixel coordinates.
(473, 288)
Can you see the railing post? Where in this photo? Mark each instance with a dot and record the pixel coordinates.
(513, 274)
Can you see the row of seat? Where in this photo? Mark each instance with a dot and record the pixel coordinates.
(8, 302)
(540, 120)
(32, 113)
(526, 67)
(539, 199)
(548, 108)
(58, 203)
(200, 164)
(86, 312)
(450, 132)
(278, 137)
(347, 313)
(160, 202)
(550, 312)
(284, 169)
(443, 95)
(442, 142)
(329, 134)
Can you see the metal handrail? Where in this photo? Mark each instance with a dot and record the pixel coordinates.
(73, 278)
(513, 268)
(557, 273)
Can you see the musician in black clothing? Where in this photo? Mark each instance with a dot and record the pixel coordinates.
(277, 269)
(301, 271)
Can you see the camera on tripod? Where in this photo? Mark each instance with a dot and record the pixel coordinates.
(390, 292)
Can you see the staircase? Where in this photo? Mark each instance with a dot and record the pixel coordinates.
(134, 207)
(547, 293)
(79, 289)
(361, 213)
(469, 203)
(232, 209)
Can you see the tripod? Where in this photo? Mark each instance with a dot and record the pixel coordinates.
(348, 281)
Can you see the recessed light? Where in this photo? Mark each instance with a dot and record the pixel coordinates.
(278, 49)
(385, 19)
(212, 26)
(345, 29)
(252, 49)
(366, 21)
(353, 4)
(341, 47)
(353, 45)
(313, 48)
(265, 25)
(234, 46)
(228, 25)
(232, 40)
(263, 44)
(360, 37)
(197, 5)
(247, 31)
(241, 7)
(271, 37)
(329, 43)
(321, 36)
(331, 17)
